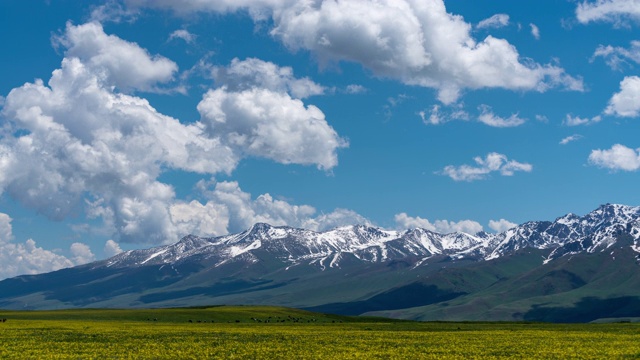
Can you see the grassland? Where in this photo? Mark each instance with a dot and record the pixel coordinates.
(269, 332)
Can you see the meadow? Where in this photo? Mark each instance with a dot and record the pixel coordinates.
(268, 332)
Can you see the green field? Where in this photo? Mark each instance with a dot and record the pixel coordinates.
(270, 332)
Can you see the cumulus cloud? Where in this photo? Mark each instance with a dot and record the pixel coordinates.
(493, 162)
(618, 56)
(571, 120)
(184, 35)
(430, 47)
(495, 21)
(252, 73)
(82, 138)
(614, 11)
(28, 258)
(569, 139)
(619, 157)
(196, 218)
(111, 248)
(236, 210)
(413, 41)
(261, 122)
(81, 254)
(487, 117)
(116, 62)
(258, 111)
(404, 221)
(6, 230)
(334, 219)
(501, 225)
(535, 31)
(625, 102)
(79, 143)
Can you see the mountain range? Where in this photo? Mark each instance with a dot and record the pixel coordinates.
(573, 269)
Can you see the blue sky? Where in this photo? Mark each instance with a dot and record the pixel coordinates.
(128, 124)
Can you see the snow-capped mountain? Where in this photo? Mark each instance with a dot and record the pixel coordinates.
(571, 234)
(298, 246)
(590, 262)
(568, 234)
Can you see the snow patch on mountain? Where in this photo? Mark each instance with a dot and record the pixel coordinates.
(597, 231)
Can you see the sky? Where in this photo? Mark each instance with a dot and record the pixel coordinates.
(128, 124)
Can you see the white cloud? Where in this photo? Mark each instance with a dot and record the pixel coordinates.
(542, 118)
(433, 117)
(198, 219)
(404, 221)
(437, 116)
(493, 162)
(245, 211)
(336, 218)
(82, 138)
(414, 41)
(619, 157)
(27, 258)
(112, 11)
(273, 125)
(82, 145)
(392, 102)
(183, 34)
(571, 120)
(111, 248)
(236, 211)
(569, 139)
(81, 254)
(495, 21)
(6, 230)
(252, 73)
(487, 117)
(351, 89)
(617, 56)
(535, 31)
(465, 226)
(258, 112)
(258, 9)
(116, 62)
(501, 225)
(625, 103)
(614, 11)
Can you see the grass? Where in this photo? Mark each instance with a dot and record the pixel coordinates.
(167, 333)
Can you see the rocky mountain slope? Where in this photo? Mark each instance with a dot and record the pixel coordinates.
(569, 234)
(356, 269)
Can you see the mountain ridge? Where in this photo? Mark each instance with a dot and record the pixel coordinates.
(566, 235)
(581, 261)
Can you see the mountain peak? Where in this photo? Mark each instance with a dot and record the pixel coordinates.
(261, 226)
(613, 213)
(280, 263)
(568, 234)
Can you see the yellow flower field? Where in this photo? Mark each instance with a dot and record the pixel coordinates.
(130, 335)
